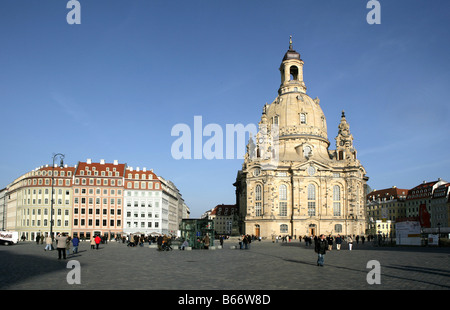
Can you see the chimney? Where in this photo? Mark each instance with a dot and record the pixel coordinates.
(102, 161)
(116, 162)
(88, 161)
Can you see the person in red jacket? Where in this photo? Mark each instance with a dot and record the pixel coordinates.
(97, 241)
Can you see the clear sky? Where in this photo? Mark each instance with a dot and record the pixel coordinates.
(114, 86)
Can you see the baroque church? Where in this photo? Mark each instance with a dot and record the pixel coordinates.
(291, 182)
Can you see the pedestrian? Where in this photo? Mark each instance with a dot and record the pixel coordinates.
(61, 240)
(338, 242)
(159, 241)
(321, 249)
(92, 243)
(97, 241)
(330, 242)
(68, 243)
(350, 242)
(48, 243)
(75, 243)
(206, 242)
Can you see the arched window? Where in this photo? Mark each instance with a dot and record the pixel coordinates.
(311, 200)
(336, 200)
(275, 120)
(293, 72)
(258, 192)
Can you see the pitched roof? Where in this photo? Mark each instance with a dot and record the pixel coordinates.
(388, 193)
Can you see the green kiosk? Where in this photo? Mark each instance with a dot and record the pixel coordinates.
(195, 230)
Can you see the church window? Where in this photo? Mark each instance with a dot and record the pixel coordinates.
(283, 208)
(258, 193)
(258, 198)
(311, 200)
(307, 151)
(293, 73)
(258, 209)
(302, 118)
(283, 204)
(336, 200)
(283, 192)
(275, 120)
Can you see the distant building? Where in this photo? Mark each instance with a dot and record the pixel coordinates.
(418, 201)
(225, 219)
(440, 208)
(383, 208)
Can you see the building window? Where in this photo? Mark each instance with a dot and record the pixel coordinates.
(311, 200)
(336, 200)
(258, 192)
(302, 118)
(258, 209)
(283, 208)
(283, 192)
(283, 228)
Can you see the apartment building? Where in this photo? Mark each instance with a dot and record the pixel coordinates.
(98, 199)
(144, 212)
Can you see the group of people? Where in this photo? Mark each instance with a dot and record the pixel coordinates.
(64, 243)
(323, 243)
(245, 241)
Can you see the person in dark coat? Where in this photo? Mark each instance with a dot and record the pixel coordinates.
(321, 249)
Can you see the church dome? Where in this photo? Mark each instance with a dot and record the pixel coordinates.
(297, 114)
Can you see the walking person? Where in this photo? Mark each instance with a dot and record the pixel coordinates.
(321, 249)
(75, 243)
(48, 243)
(330, 242)
(61, 241)
(338, 242)
(68, 243)
(92, 243)
(350, 242)
(97, 241)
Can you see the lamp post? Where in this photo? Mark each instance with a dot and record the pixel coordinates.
(61, 164)
(439, 233)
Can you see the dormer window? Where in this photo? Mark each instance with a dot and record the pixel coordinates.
(302, 118)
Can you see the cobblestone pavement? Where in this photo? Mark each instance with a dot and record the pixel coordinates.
(265, 266)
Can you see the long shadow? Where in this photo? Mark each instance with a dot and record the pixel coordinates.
(405, 268)
(18, 268)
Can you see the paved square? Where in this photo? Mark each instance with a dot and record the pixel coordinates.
(265, 266)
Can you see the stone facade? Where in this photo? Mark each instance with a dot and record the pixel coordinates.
(291, 183)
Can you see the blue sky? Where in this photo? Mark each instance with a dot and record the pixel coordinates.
(115, 85)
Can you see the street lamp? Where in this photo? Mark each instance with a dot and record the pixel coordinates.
(439, 233)
(61, 164)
